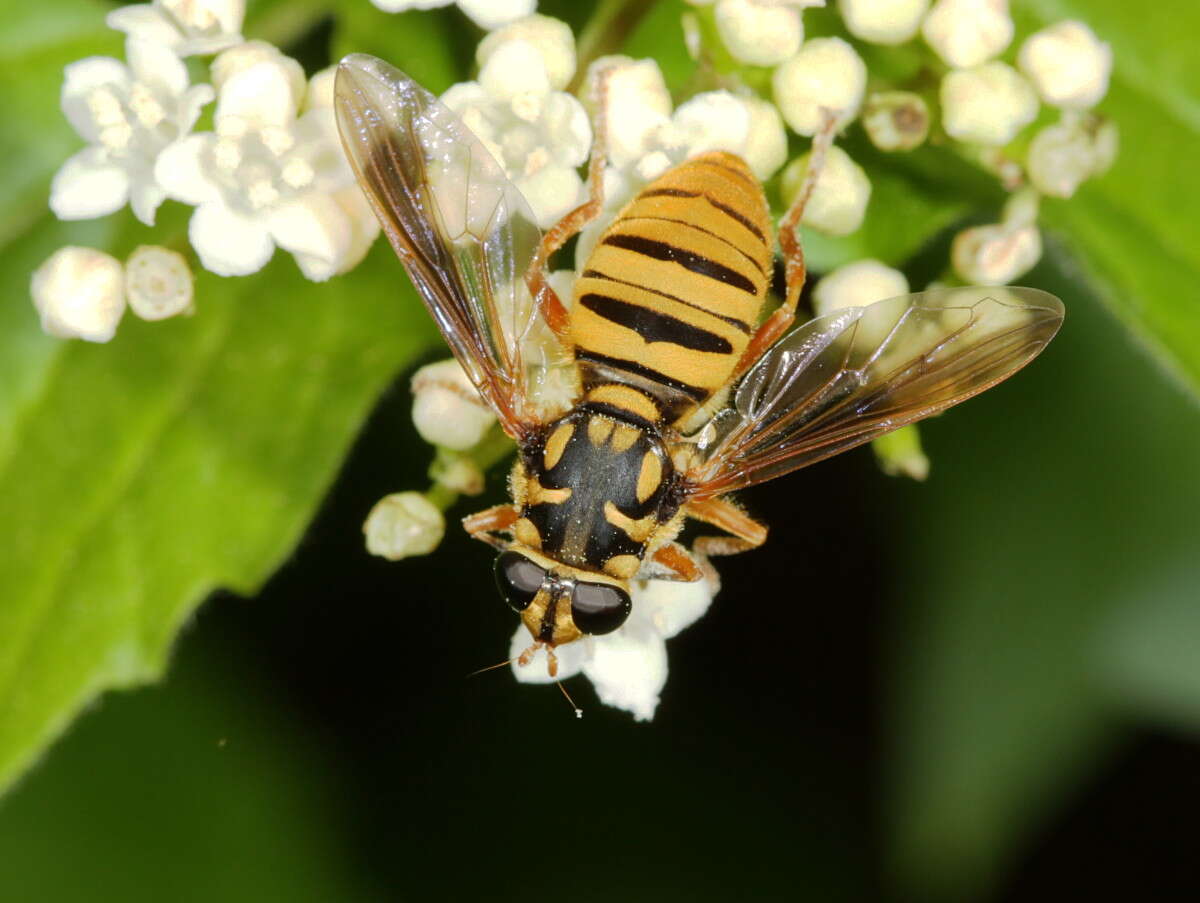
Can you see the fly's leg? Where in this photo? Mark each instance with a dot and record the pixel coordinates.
(745, 532)
(676, 559)
(484, 525)
(793, 255)
(553, 310)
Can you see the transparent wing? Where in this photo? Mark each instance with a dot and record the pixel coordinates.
(845, 378)
(462, 229)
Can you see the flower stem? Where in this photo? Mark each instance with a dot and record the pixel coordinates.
(606, 32)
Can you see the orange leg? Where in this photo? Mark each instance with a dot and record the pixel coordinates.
(793, 255)
(485, 524)
(676, 559)
(746, 533)
(553, 310)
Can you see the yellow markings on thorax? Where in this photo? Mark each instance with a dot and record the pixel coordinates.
(599, 429)
(527, 534)
(537, 494)
(623, 567)
(650, 476)
(626, 398)
(623, 438)
(638, 530)
(557, 444)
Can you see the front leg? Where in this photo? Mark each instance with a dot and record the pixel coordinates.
(746, 532)
(484, 525)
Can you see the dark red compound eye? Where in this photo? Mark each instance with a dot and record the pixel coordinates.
(518, 579)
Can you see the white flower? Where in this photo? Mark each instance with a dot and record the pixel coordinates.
(629, 666)
(827, 75)
(238, 59)
(79, 293)
(1063, 155)
(839, 199)
(540, 136)
(968, 32)
(487, 14)
(759, 34)
(551, 38)
(987, 104)
(266, 177)
(447, 410)
(185, 27)
(638, 105)
(896, 120)
(857, 284)
(1067, 64)
(996, 254)
(765, 148)
(883, 21)
(158, 283)
(127, 114)
(402, 525)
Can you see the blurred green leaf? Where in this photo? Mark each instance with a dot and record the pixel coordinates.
(120, 464)
(434, 48)
(204, 791)
(1136, 228)
(1056, 500)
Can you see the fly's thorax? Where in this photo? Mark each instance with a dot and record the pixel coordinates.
(594, 489)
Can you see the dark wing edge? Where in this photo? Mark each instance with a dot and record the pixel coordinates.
(462, 230)
(846, 378)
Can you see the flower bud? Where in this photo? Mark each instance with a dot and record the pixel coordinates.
(80, 294)
(995, 254)
(883, 21)
(1064, 155)
(838, 202)
(968, 32)
(513, 69)
(158, 283)
(489, 14)
(447, 410)
(987, 104)
(1067, 64)
(638, 104)
(457, 472)
(857, 285)
(672, 605)
(759, 34)
(899, 453)
(238, 61)
(765, 149)
(551, 38)
(896, 120)
(826, 75)
(402, 525)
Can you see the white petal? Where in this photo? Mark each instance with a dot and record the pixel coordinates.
(629, 670)
(145, 22)
(551, 192)
(88, 185)
(204, 46)
(158, 283)
(839, 200)
(987, 104)
(489, 14)
(571, 658)
(266, 92)
(715, 120)
(316, 230)
(181, 170)
(567, 129)
(228, 243)
(193, 101)
(399, 6)
(79, 293)
(515, 68)
(826, 75)
(670, 606)
(364, 226)
(757, 34)
(79, 80)
(552, 39)
(157, 66)
(145, 195)
(638, 105)
(857, 284)
(766, 145)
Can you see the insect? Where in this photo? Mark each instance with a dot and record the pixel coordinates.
(677, 394)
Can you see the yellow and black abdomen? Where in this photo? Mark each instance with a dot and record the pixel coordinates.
(672, 293)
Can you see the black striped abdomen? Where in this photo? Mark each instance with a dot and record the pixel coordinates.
(672, 293)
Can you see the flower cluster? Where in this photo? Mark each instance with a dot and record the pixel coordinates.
(271, 173)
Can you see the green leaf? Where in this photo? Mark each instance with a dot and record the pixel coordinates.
(434, 48)
(1056, 500)
(1136, 228)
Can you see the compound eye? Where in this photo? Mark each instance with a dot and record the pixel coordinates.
(518, 579)
(598, 608)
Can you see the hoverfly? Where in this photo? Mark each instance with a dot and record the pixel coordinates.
(678, 394)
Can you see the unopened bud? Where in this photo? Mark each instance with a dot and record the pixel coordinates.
(896, 120)
(447, 410)
(1064, 155)
(883, 21)
(857, 285)
(551, 38)
(1067, 64)
(158, 283)
(987, 104)
(243, 57)
(457, 472)
(826, 76)
(402, 525)
(839, 199)
(968, 32)
(80, 294)
(995, 254)
(899, 453)
(758, 34)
